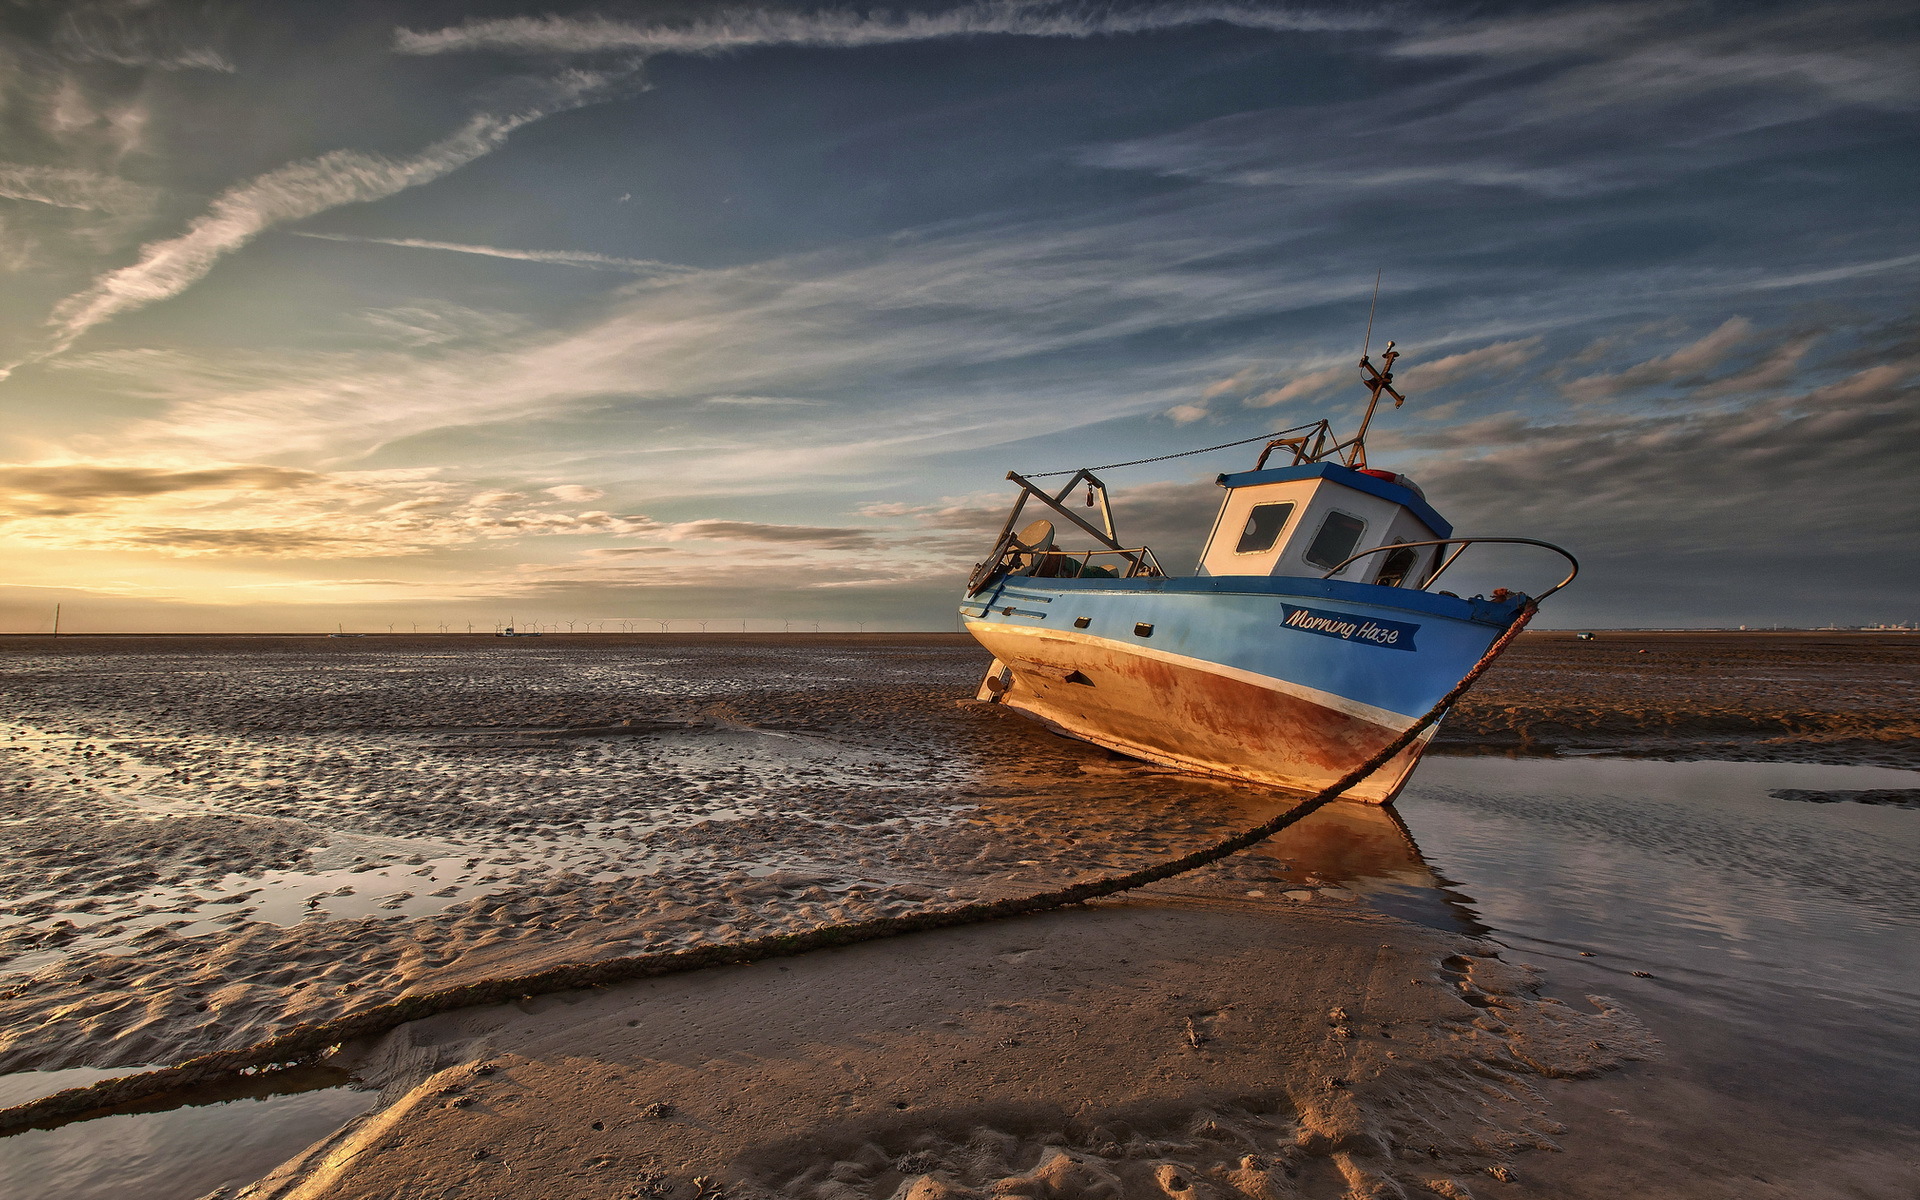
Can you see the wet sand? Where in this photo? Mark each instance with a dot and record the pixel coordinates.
(1841, 697)
(281, 829)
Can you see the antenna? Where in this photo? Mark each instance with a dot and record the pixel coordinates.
(1367, 342)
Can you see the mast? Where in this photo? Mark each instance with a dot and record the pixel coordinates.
(1377, 381)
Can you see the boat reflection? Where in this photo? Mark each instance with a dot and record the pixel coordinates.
(1048, 800)
(1368, 850)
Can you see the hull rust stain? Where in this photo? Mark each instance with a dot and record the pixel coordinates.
(1187, 717)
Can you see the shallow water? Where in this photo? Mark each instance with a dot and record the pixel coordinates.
(201, 1142)
(1779, 940)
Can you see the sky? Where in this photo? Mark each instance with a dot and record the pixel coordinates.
(407, 315)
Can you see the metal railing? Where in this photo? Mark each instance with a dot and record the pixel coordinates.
(1463, 543)
(1009, 552)
(1140, 564)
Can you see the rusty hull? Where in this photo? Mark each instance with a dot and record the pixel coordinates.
(1188, 717)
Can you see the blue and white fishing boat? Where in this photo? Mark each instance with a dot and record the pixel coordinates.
(1308, 638)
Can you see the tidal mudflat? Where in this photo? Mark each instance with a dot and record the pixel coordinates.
(210, 839)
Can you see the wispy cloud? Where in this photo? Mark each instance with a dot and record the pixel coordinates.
(1301, 386)
(755, 531)
(1775, 369)
(1783, 481)
(1500, 356)
(72, 187)
(135, 33)
(76, 486)
(1568, 103)
(1648, 53)
(1690, 359)
(291, 193)
(561, 258)
(742, 29)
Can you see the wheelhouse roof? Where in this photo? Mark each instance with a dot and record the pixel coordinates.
(1346, 477)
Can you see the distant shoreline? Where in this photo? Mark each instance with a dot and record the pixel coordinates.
(723, 635)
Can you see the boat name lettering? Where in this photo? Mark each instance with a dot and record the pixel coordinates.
(1394, 635)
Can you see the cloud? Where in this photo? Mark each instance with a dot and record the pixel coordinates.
(71, 187)
(495, 499)
(1500, 356)
(562, 258)
(1187, 414)
(752, 531)
(619, 552)
(1776, 368)
(1571, 103)
(1302, 386)
(1238, 381)
(743, 29)
(1550, 35)
(1751, 509)
(1649, 53)
(872, 324)
(130, 33)
(291, 193)
(1830, 274)
(87, 481)
(1869, 384)
(1690, 359)
(253, 510)
(276, 543)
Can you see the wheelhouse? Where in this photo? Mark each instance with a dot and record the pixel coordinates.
(1311, 518)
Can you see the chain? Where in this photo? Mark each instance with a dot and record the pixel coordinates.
(303, 1043)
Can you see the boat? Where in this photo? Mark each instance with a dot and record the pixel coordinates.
(1309, 636)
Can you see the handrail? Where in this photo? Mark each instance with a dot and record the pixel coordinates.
(1463, 543)
(1141, 563)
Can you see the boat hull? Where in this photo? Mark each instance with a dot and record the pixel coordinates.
(1289, 683)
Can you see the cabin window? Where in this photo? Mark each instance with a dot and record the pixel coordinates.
(1396, 568)
(1264, 524)
(1338, 535)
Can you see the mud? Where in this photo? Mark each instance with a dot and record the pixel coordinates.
(1843, 698)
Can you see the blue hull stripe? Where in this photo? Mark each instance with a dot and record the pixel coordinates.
(1238, 627)
(1365, 712)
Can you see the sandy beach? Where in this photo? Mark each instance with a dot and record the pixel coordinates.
(213, 839)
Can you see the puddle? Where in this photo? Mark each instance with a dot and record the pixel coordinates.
(181, 1148)
(23, 1086)
(1780, 932)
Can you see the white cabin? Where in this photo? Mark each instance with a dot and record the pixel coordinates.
(1305, 520)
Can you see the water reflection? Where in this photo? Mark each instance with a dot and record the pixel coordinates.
(1086, 810)
(184, 1145)
(1709, 904)
(1369, 851)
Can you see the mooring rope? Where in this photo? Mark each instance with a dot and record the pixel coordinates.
(1138, 462)
(305, 1042)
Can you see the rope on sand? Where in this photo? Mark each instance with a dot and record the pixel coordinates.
(305, 1042)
